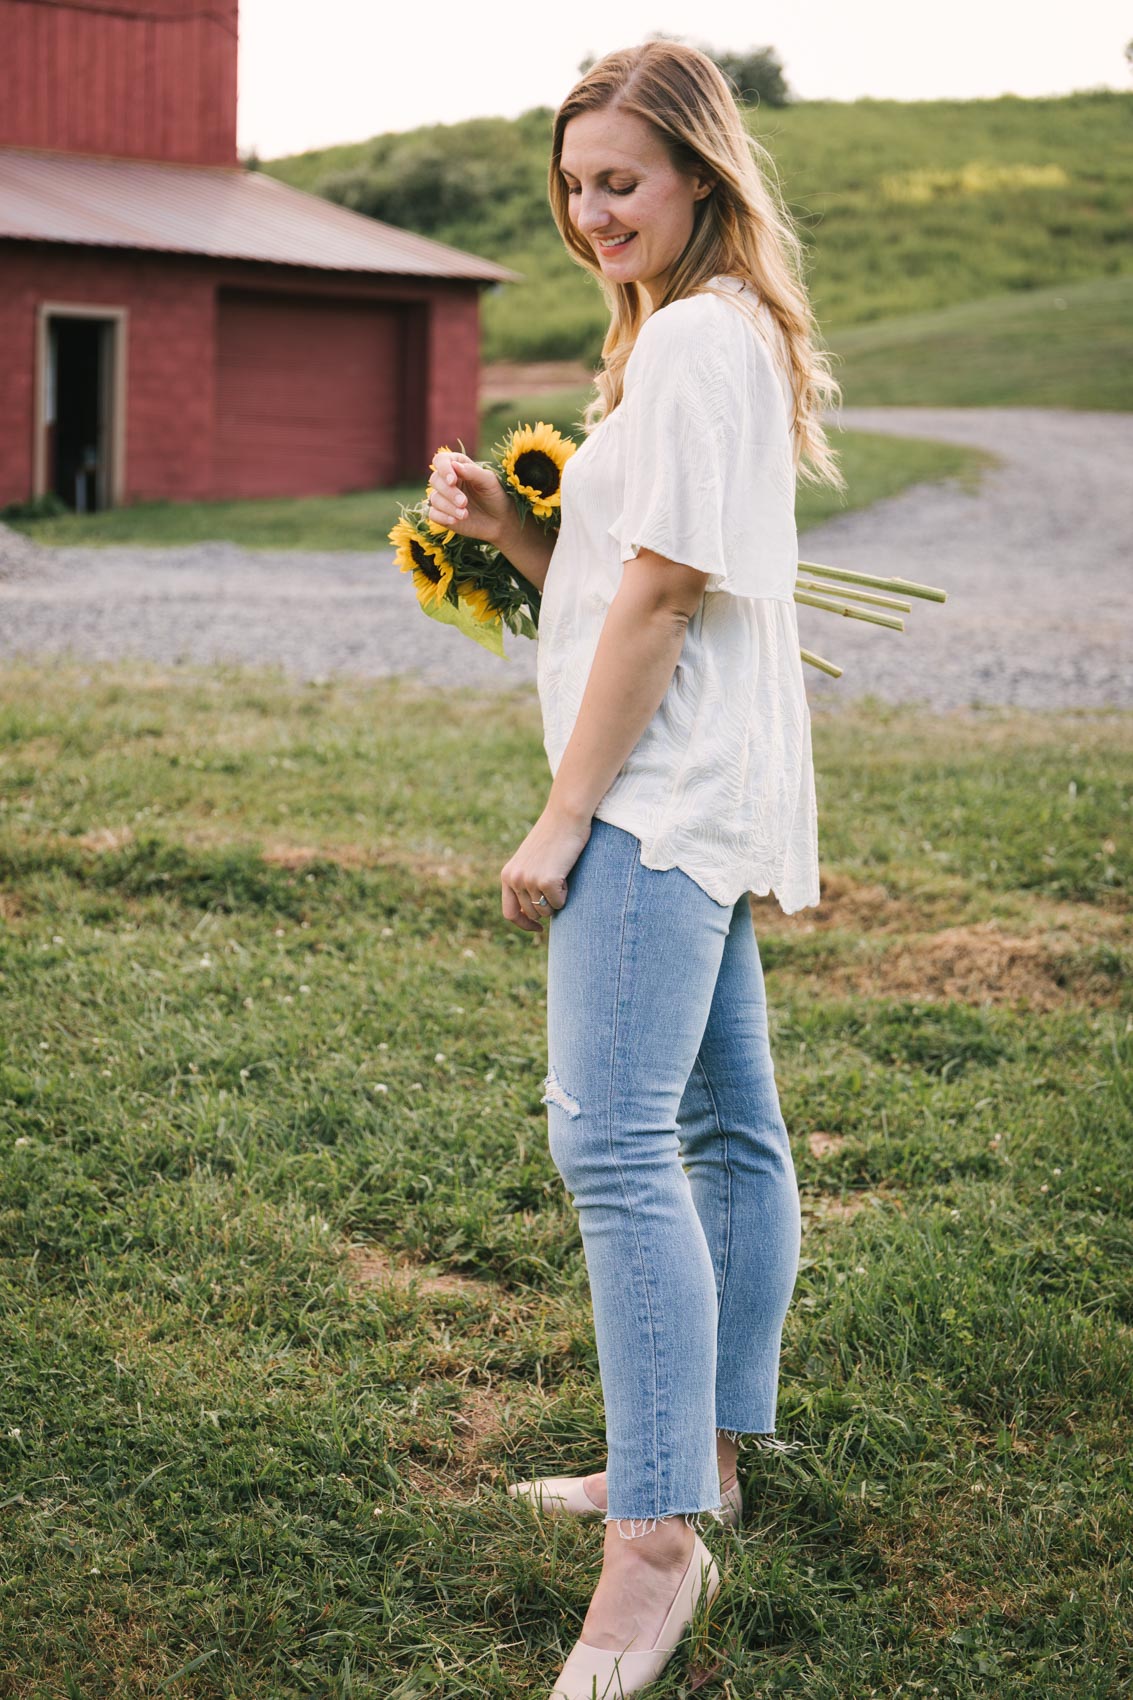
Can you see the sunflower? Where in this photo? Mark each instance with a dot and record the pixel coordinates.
(426, 560)
(476, 598)
(532, 463)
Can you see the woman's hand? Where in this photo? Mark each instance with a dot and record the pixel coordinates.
(539, 868)
(468, 498)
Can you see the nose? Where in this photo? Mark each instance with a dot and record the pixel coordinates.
(593, 216)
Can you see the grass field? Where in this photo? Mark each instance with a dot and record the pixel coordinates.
(290, 1288)
(875, 466)
(1067, 346)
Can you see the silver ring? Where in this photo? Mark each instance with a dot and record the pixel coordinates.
(540, 900)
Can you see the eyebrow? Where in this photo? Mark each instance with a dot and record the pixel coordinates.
(608, 170)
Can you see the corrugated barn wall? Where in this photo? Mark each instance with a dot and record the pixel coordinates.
(152, 79)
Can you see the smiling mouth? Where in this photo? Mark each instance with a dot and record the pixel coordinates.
(618, 242)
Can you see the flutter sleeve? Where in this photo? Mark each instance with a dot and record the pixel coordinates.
(709, 474)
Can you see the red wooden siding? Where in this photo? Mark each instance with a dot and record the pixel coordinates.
(364, 379)
(169, 397)
(307, 395)
(160, 84)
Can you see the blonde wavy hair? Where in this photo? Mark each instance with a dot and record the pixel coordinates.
(741, 228)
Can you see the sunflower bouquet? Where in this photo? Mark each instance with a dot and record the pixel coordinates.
(472, 585)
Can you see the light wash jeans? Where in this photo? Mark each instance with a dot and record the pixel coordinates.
(664, 1123)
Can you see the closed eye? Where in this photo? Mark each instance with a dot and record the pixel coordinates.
(573, 189)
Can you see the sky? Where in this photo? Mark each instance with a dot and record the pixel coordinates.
(316, 72)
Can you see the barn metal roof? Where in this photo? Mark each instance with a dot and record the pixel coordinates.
(227, 211)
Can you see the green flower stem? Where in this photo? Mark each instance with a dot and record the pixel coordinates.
(889, 620)
(857, 596)
(817, 661)
(903, 586)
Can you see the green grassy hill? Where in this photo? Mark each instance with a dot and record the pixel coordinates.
(906, 208)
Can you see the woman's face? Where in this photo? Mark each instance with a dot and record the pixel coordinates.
(620, 181)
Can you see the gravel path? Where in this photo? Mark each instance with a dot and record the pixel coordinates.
(1036, 566)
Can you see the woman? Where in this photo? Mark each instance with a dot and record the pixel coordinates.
(678, 736)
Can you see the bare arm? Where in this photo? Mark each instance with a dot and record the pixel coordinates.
(637, 652)
(638, 648)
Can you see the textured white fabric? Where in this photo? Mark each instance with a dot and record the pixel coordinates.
(696, 463)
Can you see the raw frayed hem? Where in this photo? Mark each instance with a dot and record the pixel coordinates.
(692, 1518)
(754, 1438)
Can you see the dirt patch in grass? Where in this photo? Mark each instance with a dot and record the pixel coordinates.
(985, 964)
(106, 840)
(483, 1413)
(980, 964)
(819, 1207)
(1045, 955)
(825, 1144)
(850, 905)
(372, 1263)
(295, 856)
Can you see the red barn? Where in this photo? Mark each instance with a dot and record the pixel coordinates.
(174, 326)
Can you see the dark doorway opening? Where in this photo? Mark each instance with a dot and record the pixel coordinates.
(79, 365)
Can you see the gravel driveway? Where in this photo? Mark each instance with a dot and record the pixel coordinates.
(1036, 565)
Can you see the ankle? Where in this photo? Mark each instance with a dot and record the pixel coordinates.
(669, 1542)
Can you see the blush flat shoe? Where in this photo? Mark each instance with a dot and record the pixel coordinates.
(557, 1494)
(598, 1673)
(566, 1494)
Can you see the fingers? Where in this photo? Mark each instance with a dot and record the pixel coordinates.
(522, 907)
(448, 501)
(444, 492)
(515, 913)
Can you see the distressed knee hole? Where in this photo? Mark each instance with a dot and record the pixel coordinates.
(554, 1092)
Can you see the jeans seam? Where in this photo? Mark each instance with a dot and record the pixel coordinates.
(618, 1170)
(727, 1170)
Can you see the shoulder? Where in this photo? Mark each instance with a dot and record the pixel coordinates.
(703, 336)
(687, 322)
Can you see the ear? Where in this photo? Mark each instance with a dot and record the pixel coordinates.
(704, 186)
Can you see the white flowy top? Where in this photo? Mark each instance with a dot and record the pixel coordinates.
(696, 463)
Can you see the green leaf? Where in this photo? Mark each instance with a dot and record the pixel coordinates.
(491, 637)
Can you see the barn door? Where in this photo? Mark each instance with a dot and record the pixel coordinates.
(79, 428)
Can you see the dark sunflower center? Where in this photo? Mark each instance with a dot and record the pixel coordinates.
(538, 471)
(424, 561)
